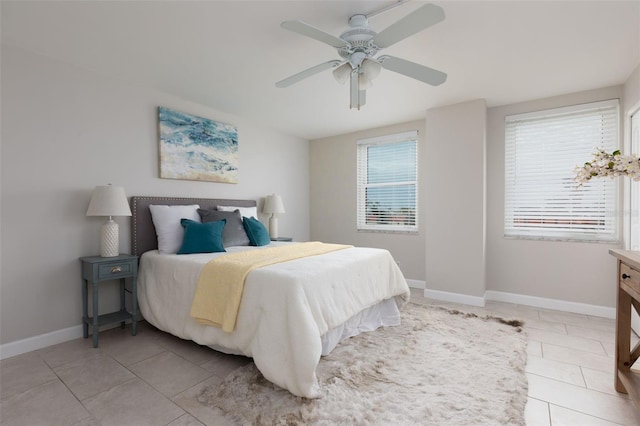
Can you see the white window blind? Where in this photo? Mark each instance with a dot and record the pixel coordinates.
(542, 150)
(388, 183)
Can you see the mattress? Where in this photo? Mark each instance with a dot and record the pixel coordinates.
(291, 313)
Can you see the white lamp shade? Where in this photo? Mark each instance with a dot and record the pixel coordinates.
(370, 68)
(273, 204)
(363, 82)
(108, 201)
(342, 73)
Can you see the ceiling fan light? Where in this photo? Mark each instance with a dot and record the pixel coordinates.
(342, 73)
(371, 68)
(364, 83)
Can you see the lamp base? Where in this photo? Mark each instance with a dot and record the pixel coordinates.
(109, 245)
(273, 226)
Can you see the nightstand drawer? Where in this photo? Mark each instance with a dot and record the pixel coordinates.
(114, 270)
(630, 277)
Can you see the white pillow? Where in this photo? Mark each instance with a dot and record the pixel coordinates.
(169, 231)
(244, 211)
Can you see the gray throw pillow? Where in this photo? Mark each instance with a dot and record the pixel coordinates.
(233, 233)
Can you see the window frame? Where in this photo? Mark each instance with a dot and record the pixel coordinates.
(570, 229)
(362, 183)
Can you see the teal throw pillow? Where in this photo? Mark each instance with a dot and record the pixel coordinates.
(202, 237)
(257, 233)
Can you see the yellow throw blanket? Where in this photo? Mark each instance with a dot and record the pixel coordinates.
(217, 298)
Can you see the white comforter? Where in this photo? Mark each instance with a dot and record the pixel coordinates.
(285, 307)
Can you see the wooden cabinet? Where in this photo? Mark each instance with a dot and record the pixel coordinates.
(627, 381)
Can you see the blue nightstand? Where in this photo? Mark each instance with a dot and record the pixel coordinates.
(96, 269)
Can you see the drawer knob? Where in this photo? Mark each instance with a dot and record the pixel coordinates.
(116, 269)
(625, 276)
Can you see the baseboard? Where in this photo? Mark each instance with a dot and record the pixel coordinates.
(19, 347)
(29, 344)
(520, 299)
(454, 297)
(416, 283)
(558, 305)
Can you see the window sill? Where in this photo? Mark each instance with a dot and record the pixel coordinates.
(387, 231)
(561, 239)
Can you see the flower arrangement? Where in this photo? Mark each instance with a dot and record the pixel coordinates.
(611, 165)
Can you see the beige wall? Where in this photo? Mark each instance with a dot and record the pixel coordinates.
(631, 104)
(632, 91)
(66, 130)
(455, 197)
(333, 198)
(462, 204)
(569, 271)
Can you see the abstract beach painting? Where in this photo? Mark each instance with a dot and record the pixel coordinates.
(196, 148)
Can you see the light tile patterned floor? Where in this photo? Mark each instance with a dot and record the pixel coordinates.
(154, 378)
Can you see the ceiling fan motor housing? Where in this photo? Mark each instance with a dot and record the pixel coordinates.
(359, 37)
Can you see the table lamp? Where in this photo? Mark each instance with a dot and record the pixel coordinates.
(109, 201)
(273, 205)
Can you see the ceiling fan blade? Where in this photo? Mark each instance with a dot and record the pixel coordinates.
(413, 70)
(314, 33)
(417, 21)
(307, 73)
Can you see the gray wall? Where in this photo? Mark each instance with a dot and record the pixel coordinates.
(66, 130)
(333, 198)
(632, 91)
(461, 248)
(455, 193)
(571, 271)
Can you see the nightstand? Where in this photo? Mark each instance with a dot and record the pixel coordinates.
(282, 239)
(96, 269)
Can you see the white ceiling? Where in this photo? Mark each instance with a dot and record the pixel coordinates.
(229, 54)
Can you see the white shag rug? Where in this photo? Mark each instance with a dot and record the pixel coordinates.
(439, 367)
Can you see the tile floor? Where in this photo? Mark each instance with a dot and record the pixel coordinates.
(154, 378)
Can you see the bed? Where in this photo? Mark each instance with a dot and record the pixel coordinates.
(290, 314)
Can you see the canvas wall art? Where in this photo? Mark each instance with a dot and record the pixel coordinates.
(196, 148)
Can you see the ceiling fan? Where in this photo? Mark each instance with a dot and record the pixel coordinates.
(359, 45)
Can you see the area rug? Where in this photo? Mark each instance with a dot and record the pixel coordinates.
(439, 367)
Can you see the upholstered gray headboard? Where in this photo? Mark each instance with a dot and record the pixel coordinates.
(143, 233)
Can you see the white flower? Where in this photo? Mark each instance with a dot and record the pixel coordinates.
(609, 165)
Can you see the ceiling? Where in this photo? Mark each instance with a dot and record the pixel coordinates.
(229, 54)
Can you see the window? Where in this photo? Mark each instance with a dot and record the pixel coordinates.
(542, 150)
(388, 183)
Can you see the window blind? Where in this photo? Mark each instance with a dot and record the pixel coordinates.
(542, 150)
(387, 169)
